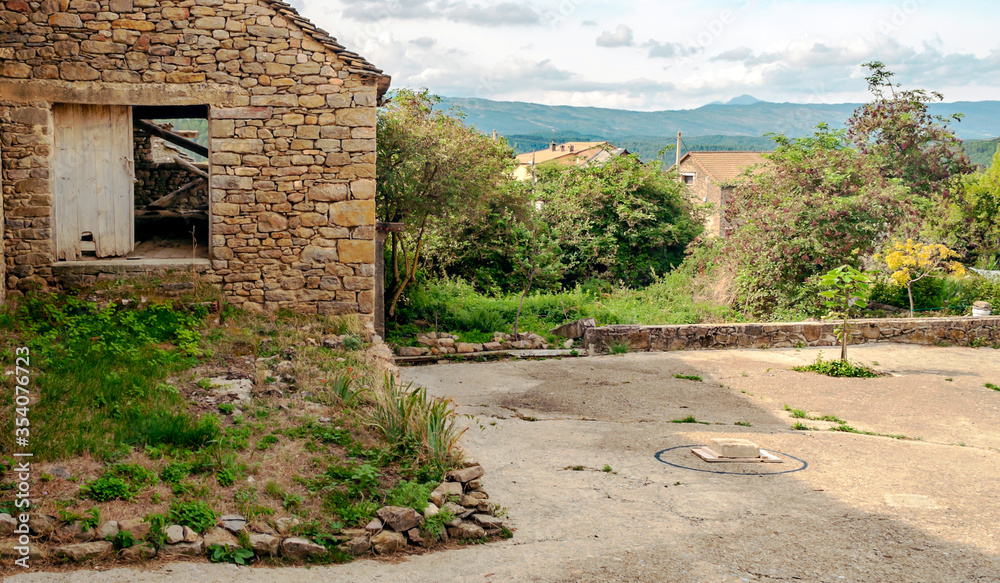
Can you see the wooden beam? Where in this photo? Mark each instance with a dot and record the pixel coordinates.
(164, 201)
(190, 167)
(390, 227)
(172, 137)
(161, 214)
(170, 111)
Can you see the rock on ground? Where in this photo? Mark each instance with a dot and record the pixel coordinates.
(399, 518)
(84, 551)
(388, 542)
(299, 548)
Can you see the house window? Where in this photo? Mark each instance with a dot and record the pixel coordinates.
(688, 178)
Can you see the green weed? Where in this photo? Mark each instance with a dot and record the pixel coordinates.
(224, 554)
(690, 419)
(838, 368)
(688, 377)
(196, 515)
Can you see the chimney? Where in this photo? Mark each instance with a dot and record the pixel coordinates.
(562, 148)
(571, 148)
(553, 145)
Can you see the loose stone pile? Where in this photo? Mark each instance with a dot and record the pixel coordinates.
(440, 343)
(394, 529)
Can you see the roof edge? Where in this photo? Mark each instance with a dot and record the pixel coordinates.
(355, 62)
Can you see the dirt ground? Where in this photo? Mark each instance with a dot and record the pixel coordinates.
(845, 507)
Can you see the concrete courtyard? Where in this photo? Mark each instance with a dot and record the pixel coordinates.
(844, 507)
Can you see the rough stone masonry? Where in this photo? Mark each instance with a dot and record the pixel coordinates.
(292, 136)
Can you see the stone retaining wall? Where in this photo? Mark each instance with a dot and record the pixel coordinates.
(965, 331)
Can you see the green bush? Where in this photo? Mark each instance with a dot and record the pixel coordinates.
(195, 514)
(928, 294)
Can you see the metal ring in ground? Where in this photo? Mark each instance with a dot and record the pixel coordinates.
(804, 463)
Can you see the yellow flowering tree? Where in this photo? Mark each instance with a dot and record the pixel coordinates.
(912, 261)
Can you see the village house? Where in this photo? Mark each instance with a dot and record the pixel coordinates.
(274, 201)
(709, 176)
(566, 155)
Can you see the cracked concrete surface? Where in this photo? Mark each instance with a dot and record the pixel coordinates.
(866, 509)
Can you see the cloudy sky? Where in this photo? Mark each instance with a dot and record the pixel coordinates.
(665, 54)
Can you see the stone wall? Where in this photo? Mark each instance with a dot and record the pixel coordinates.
(926, 331)
(292, 135)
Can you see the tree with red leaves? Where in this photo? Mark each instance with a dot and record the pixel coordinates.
(906, 141)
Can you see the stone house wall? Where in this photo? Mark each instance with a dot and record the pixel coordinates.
(926, 331)
(292, 135)
(705, 190)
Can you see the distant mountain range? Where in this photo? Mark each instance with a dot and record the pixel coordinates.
(739, 124)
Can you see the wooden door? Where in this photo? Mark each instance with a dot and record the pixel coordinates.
(93, 202)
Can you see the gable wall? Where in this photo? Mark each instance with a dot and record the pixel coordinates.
(705, 190)
(292, 147)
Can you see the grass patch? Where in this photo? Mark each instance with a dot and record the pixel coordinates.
(122, 397)
(799, 426)
(619, 347)
(688, 377)
(838, 368)
(743, 424)
(992, 387)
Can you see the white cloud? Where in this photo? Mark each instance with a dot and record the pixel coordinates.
(621, 37)
(544, 50)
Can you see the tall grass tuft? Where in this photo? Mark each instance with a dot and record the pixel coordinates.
(416, 423)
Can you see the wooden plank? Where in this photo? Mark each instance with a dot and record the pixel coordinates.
(171, 137)
(164, 201)
(124, 191)
(62, 182)
(103, 170)
(190, 167)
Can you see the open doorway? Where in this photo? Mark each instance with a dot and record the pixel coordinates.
(171, 182)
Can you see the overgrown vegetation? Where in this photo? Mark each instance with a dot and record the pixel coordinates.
(619, 241)
(124, 402)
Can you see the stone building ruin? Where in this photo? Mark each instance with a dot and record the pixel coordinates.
(272, 198)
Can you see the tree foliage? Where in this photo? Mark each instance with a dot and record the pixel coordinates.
(621, 221)
(820, 204)
(429, 165)
(904, 140)
(970, 219)
(909, 262)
